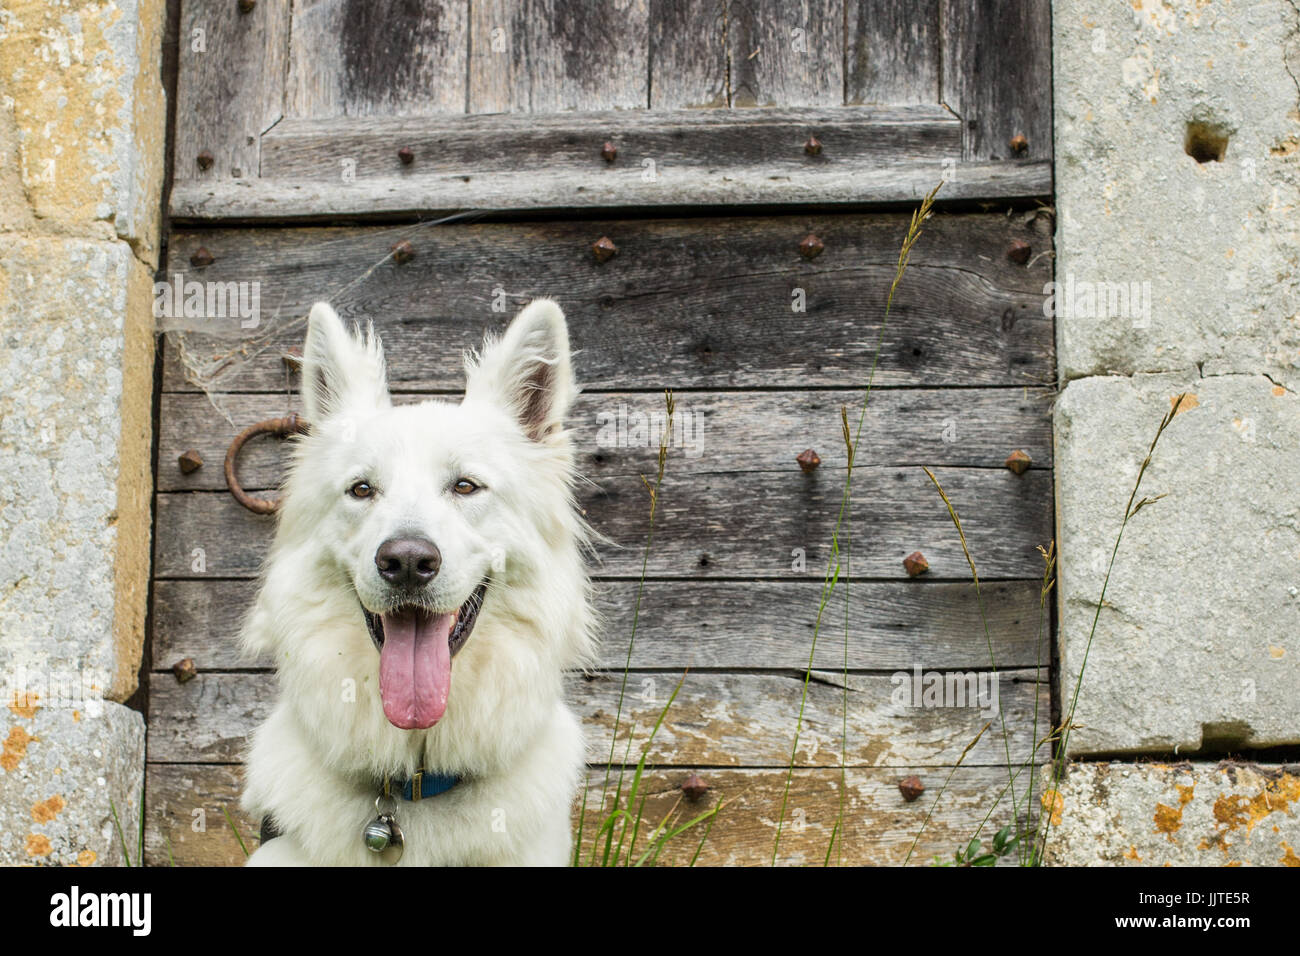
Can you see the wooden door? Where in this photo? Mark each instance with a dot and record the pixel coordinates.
(312, 138)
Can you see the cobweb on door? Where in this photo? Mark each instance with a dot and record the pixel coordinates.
(213, 360)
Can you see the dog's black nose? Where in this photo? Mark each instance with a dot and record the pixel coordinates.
(408, 562)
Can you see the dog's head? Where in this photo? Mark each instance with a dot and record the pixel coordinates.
(432, 517)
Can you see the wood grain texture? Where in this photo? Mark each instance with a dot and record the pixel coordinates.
(714, 432)
(893, 625)
(688, 55)
(722, 294)
(547, 56)
(717, 720)
(359, 58)
(726, 525)
(879, 826)
(230, 87)
(785, 53)
(997, 75)
(892, 51)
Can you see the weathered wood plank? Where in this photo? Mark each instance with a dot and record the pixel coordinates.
(688, 55)
(997, 75)
(717, 720)
(714, 432)
(545, 56)
(851, 183)
(769, 143)
(892, 52)
(696, 303)
(229, 89)
(357, 57)
(879, 826)
(782, 530)
(786, 54)
(761, 624)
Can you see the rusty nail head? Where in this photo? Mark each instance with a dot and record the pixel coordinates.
(403, 252)
(406, 155)
(1018, 461)
(246, 6)
(911, 788)
(204, 159)
(915, 564)
(604, 249)
(813, 147)
(694, 787)
(609, 152)
(808, 460)
(202, 257)
(184, 670)
(811, 247)
(191, 461)
(1018, 143)
(1018, 252)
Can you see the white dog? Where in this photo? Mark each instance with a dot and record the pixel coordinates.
(425, 593)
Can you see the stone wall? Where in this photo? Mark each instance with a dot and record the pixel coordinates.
(1177, 131)
(82, 133)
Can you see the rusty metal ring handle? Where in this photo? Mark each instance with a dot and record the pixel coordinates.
(281, 428)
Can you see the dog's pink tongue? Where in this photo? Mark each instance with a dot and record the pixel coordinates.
(415, 668)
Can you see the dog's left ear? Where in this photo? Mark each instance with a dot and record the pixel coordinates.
(528, 370)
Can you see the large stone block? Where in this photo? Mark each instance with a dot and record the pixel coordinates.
(69, 763)
(76, 372)
(1185, 814)
(82, 96)
(1212, 246)
(1198, 642)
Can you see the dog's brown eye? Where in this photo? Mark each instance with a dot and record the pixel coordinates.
(361, 489)
(465, 487)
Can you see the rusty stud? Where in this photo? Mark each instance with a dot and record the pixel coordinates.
(911, 788)
(1018, 252)
(246, 6)
(403, 252)
(1018, 461)
(406, 155)
(202, 258)
(694, 787)
(292, 357)
(604, 249)
(811, 247)
(915, 564)
(813, 147)
(808, 460)
(185, 670)
(1018, 143)
(190, 462)
(609, 152)
(204, 159)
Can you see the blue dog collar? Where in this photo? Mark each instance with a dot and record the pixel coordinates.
(421, 786)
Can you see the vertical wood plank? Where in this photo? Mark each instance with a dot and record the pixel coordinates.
(230, 86)
(997, 75)
(786, 54)
(546, 56)
(360, 58)
(892, 52)
(688, 54)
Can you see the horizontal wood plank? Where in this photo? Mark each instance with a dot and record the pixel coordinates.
(715, 432)
(783, 531)
(694, 303)
(879, 829)
(762, 624)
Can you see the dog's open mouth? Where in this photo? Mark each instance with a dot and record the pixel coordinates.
(416, 646)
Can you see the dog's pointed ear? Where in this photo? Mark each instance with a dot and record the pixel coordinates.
(528, 370)
(340, 368)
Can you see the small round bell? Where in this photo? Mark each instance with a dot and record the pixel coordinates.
(378, 835)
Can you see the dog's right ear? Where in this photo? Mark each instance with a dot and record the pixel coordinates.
(340, 368)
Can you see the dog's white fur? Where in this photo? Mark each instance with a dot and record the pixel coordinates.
(315, 764)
